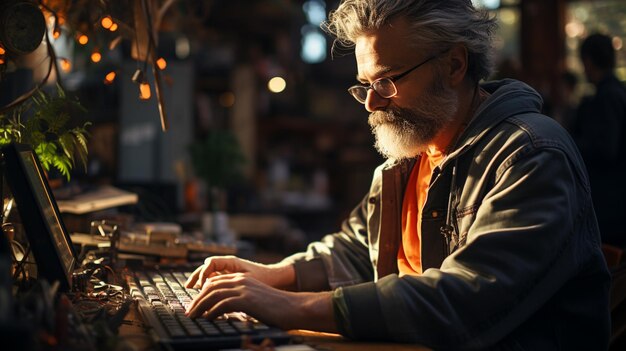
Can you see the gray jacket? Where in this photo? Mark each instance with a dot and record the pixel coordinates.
(510, 244)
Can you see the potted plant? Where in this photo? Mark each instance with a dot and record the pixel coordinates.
(217, 160)
(46, 122)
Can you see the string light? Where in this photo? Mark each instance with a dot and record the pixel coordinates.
(161, 63)
(109, 78)
(144, 87)
(83, 39)
(106, 22)
(66, 65)
(96, 57)
(144, 91)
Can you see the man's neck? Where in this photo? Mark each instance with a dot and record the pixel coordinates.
(469, 101)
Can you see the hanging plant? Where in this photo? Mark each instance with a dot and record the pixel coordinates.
(46, 122)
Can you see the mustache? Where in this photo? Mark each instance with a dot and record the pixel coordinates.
(387, 116)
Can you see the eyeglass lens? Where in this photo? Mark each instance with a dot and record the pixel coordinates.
(383, 87)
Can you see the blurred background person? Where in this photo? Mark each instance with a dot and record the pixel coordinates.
(599, 132)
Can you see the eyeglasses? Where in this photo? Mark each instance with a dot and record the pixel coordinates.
(384, 87)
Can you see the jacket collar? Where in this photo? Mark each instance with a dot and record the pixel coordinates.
(508, 97)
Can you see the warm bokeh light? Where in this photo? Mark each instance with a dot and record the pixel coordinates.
(56, 33)
(183, 47)
(227, 99)
(2, 51)
(618, 43)
(621, 73)
(574, 29)
(113, 27)
(66, 65)
(106, 22)
(508, 16)
(161, 63)
(1, 61)
(581, 14)
(109, 78)
(83, 39)
(276, 84)
(96, 57)
(144, 91)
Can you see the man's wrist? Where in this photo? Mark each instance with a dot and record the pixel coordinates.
(283, 276)
(315, 311)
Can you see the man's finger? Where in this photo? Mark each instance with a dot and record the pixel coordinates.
(225, 305)
(193, 278)
(213, 283)
(208, 301)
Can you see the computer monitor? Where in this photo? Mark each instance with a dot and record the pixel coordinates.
(49, 240)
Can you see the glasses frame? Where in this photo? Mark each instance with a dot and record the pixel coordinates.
(355, 89)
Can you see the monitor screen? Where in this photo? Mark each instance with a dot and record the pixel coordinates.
(46, 234)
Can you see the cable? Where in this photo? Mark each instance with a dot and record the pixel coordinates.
(20, 247)
(20, 266)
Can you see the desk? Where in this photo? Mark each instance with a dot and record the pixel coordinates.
(134, 332)
(325, 341)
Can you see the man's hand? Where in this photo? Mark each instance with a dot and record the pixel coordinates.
(240, 292)
(276, 275)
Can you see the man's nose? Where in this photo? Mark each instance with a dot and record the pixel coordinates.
(373, 101)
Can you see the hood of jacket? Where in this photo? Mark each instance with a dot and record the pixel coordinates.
(508, 97)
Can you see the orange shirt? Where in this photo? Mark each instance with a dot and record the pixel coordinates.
(409, 254)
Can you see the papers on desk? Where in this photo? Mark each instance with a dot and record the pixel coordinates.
(184, 247)
(100, 198)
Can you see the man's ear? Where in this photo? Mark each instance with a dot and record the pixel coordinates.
(458, 61)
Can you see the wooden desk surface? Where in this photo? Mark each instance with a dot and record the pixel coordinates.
(134, 332)
(326, 341)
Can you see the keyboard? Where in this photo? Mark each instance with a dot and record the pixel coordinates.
(162, 301)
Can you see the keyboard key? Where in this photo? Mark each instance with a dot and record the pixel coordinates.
(177, 332)
(225, 327)
(242, 327)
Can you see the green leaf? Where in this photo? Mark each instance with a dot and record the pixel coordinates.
(67, 145)
(45, 121)
(63, 165)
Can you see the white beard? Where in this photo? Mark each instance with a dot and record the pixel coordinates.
(395, 144)
(403, 133)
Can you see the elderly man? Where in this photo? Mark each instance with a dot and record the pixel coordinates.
(477, 232)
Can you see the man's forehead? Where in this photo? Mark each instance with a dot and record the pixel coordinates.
(386, 45)
(369, 49)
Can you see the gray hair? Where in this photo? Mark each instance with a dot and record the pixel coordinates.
(435, 23)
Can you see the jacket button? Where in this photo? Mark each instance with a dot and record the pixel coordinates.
(372, 200)
(435, 214)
